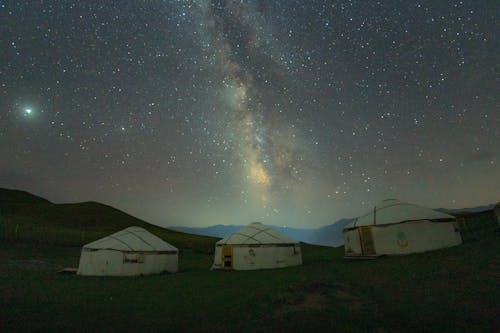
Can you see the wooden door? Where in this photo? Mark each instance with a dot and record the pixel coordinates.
(227, 256)
(366, 240)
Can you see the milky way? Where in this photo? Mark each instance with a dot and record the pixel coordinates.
(258, 140)
(287, 112)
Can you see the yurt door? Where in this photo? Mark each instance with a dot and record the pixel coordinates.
(366, 238)
(227, 256)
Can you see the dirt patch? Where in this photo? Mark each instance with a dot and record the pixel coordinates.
(341, 293)
(352, 301)
(7, 294)
(317, 296)
(312, 301)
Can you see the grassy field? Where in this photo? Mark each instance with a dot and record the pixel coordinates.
(453, 290)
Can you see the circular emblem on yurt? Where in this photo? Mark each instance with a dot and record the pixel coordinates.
(402, 241)
(250, 258)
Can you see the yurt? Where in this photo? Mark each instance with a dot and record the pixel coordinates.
(132, 251)
(256, 246)
(395, 227)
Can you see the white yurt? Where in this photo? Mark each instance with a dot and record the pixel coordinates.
(256, 246)
(132, 251)
(395, 227)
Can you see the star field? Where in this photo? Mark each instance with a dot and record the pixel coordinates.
(225, 112)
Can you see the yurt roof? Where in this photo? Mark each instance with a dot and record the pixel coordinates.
(393, 211)
(257, 233)
(132, 239)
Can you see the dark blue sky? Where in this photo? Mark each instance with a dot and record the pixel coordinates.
(288, 112)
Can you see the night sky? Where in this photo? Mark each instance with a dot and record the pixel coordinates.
(292, 113)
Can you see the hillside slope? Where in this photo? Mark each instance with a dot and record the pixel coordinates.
(26, 217)
(9, 197)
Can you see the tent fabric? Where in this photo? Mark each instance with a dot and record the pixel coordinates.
(393, 211)
(256, 233)
(256, 246)
(394, 228)
(129, 252)
(132, 239)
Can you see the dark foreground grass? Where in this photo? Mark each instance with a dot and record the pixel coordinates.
(453, 290)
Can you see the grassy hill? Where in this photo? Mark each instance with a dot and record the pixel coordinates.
(12, 197)
(29, 218)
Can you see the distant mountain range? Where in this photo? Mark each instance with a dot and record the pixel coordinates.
(466, 210)
(330, 235)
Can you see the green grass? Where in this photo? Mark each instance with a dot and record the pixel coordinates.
(452, 290)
